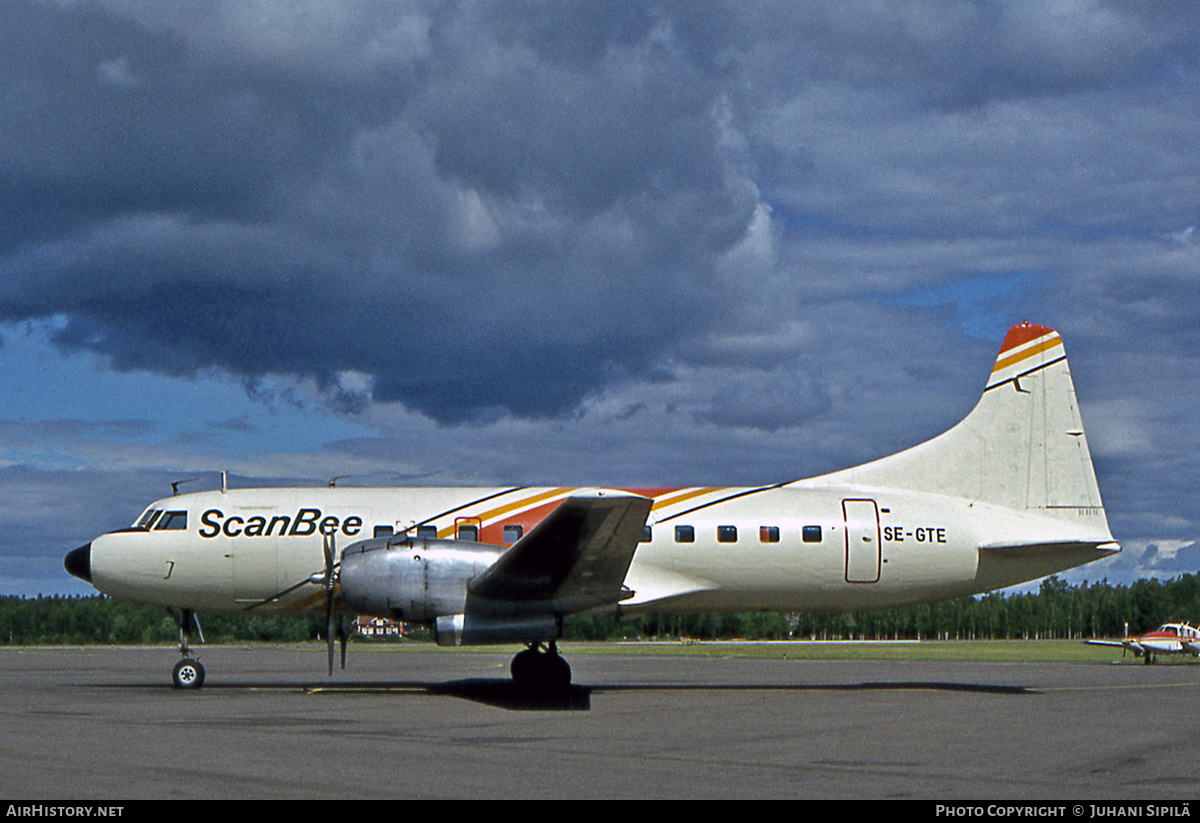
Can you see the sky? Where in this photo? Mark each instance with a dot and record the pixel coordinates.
(620, 243)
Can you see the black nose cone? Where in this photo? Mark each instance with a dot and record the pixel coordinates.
(79, 562)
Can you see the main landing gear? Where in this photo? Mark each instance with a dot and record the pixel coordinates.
(541, 668)
(188, 672)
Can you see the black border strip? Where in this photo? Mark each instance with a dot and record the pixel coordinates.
(448, 512)
(746, 493)
(1017, 377)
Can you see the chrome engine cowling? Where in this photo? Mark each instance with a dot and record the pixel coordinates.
(411, 579)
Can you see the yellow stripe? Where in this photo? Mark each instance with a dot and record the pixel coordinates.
(485, 518)
(1005, 362)
(669, 501)
(500, 511)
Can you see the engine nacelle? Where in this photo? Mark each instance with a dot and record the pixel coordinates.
(480, 629)
(412, 579)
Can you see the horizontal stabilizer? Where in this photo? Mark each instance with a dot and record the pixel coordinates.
(1033, 549)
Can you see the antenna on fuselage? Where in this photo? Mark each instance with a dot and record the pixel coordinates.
(333, 480)
(224, 482)
(175, 486)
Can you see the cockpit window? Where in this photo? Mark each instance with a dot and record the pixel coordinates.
(172, 521)
(147, 519)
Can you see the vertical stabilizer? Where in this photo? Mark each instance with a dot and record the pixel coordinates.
(1022, 447)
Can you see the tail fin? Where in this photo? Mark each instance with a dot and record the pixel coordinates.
(1022, 447)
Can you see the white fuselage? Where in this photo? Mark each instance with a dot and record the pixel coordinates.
(772, 548)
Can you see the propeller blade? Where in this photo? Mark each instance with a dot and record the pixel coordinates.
(329, 630)
(342, 637)
(330, 549)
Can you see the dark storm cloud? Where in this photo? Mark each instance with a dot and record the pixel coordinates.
(497, 208)
(104, 118)
(541, 211)
(963, 54)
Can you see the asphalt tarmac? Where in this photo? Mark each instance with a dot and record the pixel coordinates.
(105, 724)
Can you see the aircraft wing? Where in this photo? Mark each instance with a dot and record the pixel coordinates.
(575, 559)
(1104, 643)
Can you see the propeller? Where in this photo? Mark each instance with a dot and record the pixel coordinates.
(328, 579)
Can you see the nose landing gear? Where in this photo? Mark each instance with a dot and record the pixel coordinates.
(188, 672)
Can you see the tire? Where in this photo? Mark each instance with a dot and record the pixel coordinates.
(188, 674)
(540, 671)
(558, 674)
(524, 667)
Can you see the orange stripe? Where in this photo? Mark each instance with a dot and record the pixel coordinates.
(503, 510)
(1005, 362)
(673, 500)
(1023, 333)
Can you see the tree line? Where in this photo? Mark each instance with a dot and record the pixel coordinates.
(1057, 610)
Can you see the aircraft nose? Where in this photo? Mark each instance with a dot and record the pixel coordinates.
(79, 562)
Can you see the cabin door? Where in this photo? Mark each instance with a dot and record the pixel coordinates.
(863, 550)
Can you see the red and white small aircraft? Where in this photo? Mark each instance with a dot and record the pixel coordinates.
(1169, 638)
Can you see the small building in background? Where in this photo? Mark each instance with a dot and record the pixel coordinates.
(377, 627)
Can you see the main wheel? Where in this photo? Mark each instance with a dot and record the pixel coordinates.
(558, 673)
(524, 667)
(188, 674)
(540, 670)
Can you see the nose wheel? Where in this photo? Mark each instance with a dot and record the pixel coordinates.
(541, 669)
(188, 672)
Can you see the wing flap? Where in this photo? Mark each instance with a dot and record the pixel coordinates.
(651, 584)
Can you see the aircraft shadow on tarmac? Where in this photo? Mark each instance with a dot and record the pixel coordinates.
(505, 694)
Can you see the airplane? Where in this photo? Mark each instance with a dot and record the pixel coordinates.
(1006, 496)
(1169, 638)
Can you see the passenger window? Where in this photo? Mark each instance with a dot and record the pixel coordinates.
(382, 531)
(513, 533)
(685, 534)
(768, 534)
(726, 534)
(173, 521)
(468, 533)
(427, 532)
(647, 534)
(811, 534)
